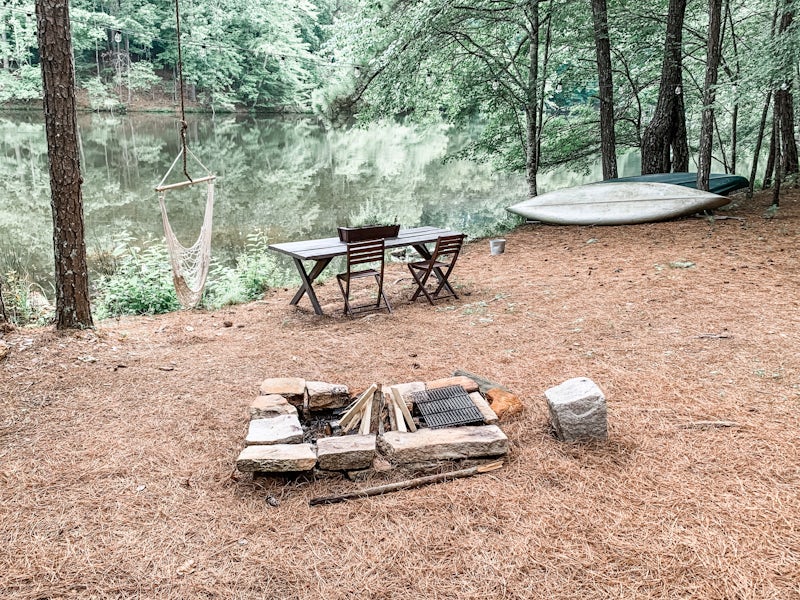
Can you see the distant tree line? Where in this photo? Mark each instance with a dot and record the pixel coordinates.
(236, 53)
(561, 82)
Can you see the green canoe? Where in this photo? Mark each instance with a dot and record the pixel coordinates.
(718, 183)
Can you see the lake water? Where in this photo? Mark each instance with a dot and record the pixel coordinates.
(287, 178)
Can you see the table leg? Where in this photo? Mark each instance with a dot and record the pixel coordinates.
(307, 281)
(423, 251)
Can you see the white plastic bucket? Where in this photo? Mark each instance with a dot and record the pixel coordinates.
(497, 246)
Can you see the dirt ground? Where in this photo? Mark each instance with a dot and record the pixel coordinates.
(117, 446)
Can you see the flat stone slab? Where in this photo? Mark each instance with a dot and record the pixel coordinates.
(346, 452)
(291, 388)
(465, 382)
(578, 410)
(278, 458)
(326, 396)
(284, 429)
(444, 444)
(266, 407)
(489, 416)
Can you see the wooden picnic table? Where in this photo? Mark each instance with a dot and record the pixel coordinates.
(322, 251)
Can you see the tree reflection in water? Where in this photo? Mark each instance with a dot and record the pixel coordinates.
(288, 178)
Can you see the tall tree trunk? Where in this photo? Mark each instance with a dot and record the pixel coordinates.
(734, 136)
(712, 68)
(735, 78)
(128, 66)
(784, 121)
(664, 144)
(770, 168)
(777, 145)
(3, 314)
(542, 68)
(4, 41)
(58, 82)
(531, 114)
(784, 103)
(721, 143)
(602, 42)
(759, 139)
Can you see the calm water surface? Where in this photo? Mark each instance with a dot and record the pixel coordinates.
(288, 179)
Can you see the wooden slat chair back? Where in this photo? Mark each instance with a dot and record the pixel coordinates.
(369, 252)
(440, 265)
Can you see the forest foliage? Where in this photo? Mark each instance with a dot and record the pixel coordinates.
(236, 53)
(514, 64)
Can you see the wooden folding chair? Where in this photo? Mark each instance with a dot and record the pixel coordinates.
(440, 264)
(362, 253)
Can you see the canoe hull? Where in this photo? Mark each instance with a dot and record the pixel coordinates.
(617, 204)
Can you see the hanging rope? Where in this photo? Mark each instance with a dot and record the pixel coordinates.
(189, 264)
(184, 127)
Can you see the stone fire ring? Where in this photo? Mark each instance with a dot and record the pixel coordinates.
(280, 438)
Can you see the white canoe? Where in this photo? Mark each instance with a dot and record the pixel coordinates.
(617, 204)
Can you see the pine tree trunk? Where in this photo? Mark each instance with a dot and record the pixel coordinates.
(735, 77)
(734, 136)
(712, 68)
(3, 314)
(770, 168)
(3, 39)
(58, 82)
(759, 140)
(608, 142)
(664, 144)
(542, 67)
(778, 158)
(128, 66)
(784, 103)
(532, 141)
(784, 112)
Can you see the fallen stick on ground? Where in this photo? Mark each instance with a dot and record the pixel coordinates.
(407, 484)
(704, 424)
(722, 218)
(715, 336)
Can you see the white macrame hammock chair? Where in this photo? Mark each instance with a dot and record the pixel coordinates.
(189, 265)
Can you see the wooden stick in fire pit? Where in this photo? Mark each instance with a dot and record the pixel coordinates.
(399, 421)
(406, 485)
(366, 418)
(389, 401)
(401, 404)
(355, 410)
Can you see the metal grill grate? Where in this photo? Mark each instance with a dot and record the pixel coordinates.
(447, 407)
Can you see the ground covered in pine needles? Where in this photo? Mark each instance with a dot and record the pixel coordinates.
(117, 446)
